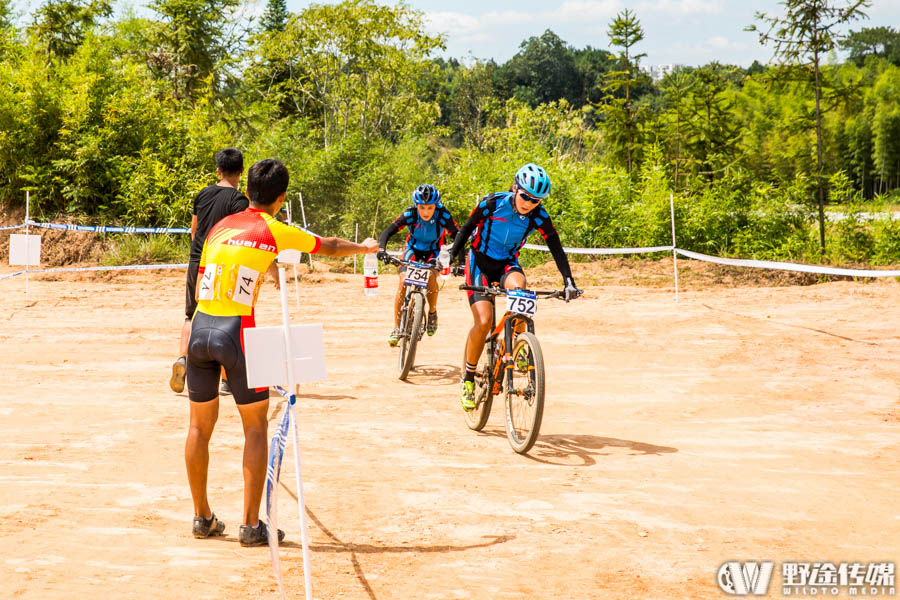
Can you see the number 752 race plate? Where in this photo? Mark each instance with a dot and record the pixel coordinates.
(417, 274)
(522, 302)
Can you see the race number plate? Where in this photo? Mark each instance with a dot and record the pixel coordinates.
(417, 274)
(522, 302)
(207, 283)
(245, 285)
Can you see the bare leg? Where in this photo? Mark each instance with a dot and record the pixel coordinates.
(516, 281)
(196, 452)
(481, 311)
(398, 300)
(432, 294)
(254, 419)
(185, 338)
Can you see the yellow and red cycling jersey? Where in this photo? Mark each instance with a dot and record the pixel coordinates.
(236, 255)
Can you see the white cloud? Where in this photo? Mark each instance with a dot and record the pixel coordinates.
(586, 10)
(718, 42)
(482, 28)
(683, 7)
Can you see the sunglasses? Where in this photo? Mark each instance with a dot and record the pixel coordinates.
(529, 198)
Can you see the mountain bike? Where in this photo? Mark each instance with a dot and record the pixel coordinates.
(412, 322)
(513, 360)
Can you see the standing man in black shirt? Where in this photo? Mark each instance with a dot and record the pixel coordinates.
(212, 204)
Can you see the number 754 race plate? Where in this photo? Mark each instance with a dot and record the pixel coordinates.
(417, 274)
(522, 302)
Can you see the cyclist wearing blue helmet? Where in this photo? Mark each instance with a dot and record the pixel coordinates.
(501, 224)
(428, 222)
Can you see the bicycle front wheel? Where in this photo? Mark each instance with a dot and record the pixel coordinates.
(411, 332)
(478, 417)
(525, 397)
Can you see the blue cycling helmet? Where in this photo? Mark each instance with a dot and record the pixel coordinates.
(533, 180)
(426, 194)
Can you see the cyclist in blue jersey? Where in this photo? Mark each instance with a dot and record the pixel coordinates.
(428, 221)
(501, 224)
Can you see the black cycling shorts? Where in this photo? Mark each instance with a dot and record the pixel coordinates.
(218, 342)
(419, 256)
(483, 271)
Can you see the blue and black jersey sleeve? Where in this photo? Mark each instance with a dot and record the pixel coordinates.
(406, 219)
(541, 221)
(481, 212)
(448, 223)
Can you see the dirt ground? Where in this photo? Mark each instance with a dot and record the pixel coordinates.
(746, 422)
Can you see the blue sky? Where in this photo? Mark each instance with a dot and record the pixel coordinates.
(689, 32)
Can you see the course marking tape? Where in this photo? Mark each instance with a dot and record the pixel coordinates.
(604, 250)
(785, 266)
(105, 229)
(83, 269)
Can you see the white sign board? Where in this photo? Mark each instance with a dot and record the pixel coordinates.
(265, 352)
(25, 250)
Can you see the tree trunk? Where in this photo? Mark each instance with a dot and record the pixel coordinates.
(819, 152)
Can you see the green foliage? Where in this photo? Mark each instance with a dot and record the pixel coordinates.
(276, 16)
(146, 250)
(352, 66)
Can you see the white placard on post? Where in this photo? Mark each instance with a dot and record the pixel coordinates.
(265, 352)
(25, 250)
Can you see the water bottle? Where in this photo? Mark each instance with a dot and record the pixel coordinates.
(370, 272)
(444, 262)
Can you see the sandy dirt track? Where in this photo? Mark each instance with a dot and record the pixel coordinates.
(744, 423)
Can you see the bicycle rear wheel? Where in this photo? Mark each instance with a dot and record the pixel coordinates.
(478, 417)
(411, 332)
(525, 398)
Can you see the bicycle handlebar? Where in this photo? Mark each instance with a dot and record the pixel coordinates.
(402, 263)
(499, 291)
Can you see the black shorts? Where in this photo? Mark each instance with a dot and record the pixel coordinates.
(218, 342)
(481, 270)
(419, 256)
(190, 289)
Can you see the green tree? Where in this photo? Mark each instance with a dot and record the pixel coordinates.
(192, 41)
(676, 86)
(542, 71)
(872, 41)
(276, 16)
(712, 130)
(621, 112)
(355, 67)
(61, 25)
(6, 14)
(802, 37)
(592, 65)
(472, 95)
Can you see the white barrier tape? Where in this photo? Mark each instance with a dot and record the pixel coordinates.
(5, 227)
(604, 250)
(784, 266)
(83, 269)
(104, 229)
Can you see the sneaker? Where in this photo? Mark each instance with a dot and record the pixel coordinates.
(179, 369)
(394, 338)
(467, 395)
(522, 363)
(431, 324)
(204, 528)
(256, 536)
(224, 389)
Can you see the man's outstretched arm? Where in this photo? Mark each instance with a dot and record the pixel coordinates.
(338, 247)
